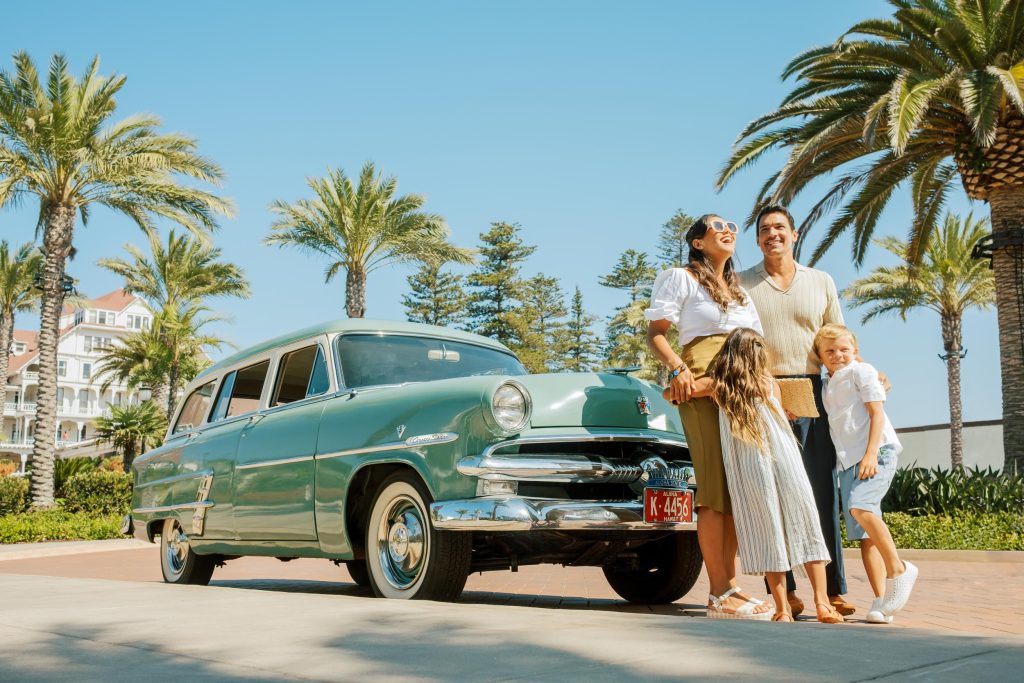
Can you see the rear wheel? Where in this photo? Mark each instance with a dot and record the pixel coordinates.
(667, 570)
(178, 562)
(407, 558)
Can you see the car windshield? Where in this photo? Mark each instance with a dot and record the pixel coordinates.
(368, 360)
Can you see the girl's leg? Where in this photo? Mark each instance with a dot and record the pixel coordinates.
(776, 582)
(882, 540)
(873, 566)
(714, 531)
(819, 585)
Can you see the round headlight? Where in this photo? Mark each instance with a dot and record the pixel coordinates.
(510, 406)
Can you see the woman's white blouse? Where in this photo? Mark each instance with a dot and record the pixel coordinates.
(678, 298)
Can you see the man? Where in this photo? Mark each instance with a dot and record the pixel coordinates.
(793, 302)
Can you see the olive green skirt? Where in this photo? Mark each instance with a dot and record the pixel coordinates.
(700, 424)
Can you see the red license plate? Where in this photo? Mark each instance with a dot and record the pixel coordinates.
(674, 506)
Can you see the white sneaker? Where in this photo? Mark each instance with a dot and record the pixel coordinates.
(897, 591)
(876, 615)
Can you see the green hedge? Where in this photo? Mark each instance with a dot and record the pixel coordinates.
(962, 531)
(99, 492)
(13, 495)
(938, 491)
(58, 525)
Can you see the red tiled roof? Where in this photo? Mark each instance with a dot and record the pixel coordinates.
(118, 300)
(31, 339)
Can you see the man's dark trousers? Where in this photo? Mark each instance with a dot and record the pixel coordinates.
(819, 456)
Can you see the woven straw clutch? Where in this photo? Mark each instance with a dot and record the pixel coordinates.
(798, 396)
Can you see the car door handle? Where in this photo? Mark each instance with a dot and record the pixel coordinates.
(253, 419)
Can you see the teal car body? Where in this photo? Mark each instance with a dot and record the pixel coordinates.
(415, 455)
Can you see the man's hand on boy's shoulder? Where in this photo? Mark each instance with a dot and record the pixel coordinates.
(884, 380)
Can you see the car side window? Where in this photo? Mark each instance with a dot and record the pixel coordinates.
(240, 391)
(301, 374)
(194, 409)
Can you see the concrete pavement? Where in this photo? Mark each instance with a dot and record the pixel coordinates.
(264, 620)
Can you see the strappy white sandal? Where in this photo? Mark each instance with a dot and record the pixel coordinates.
(717, 610)
(897, 591)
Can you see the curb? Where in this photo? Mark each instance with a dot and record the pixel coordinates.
(27, 551)
(914, 554)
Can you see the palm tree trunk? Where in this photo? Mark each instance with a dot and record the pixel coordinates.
(172, 387)
(6, 334)
(952, 342)
(128, 457)
(1007, 205)
(355, 291)
(58, 225)
(160, 392)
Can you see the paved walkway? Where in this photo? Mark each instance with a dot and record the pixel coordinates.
(958, 593)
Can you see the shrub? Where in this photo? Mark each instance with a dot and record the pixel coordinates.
(7, 468)
(65, 468)
(99, 492)
(13, 495)
(58, 525)
(962, 531)
(918, 491)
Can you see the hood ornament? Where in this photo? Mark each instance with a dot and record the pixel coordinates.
(401, 430)
(643, 404)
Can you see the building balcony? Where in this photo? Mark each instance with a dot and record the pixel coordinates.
(30, 374)
(13, 408)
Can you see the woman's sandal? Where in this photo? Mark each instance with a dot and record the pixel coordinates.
(831, 616)
(717, 609)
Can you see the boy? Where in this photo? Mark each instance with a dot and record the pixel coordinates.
(866, 450)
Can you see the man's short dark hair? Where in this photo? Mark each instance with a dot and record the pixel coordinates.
(774, 208)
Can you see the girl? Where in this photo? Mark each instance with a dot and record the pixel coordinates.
(773, 506)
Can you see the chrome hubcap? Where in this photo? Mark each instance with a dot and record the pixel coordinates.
(177, 548)
(401, 542)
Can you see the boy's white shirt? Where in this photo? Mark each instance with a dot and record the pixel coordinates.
(844, 395)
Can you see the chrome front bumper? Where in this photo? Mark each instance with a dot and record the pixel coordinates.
(529, 514)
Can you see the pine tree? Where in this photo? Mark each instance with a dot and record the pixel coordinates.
(579, 347)
(539, 323)
(498, 288)
(626, 341)
(673, 251)
(436, 298)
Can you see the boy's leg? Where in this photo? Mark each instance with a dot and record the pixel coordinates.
(879, 534)
(873, 566)
(777, 586)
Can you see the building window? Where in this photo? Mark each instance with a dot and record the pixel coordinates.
(97, 344)
(138, 322)
(18, 348)
(62, 368)
(86, 370)
(100, 317)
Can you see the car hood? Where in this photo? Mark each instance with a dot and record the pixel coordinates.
(598, 400)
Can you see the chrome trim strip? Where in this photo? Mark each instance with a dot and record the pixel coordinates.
(177, 477)
(528, 514)
(591, 436)
(271, 463)
(412, 442)
(553, 467)
(174, 508)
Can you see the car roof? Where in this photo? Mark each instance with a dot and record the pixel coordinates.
(358, 326)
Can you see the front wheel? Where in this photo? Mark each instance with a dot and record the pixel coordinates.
(358, 572)
(178, 562)
(667, 570)
(407, 558)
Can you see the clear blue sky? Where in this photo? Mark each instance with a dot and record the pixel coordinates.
(588, 123)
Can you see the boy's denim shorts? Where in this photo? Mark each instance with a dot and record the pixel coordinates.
(866, 494)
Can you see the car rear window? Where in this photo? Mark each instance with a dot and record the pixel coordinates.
(240, 392)
(301, 374)
(369, 360)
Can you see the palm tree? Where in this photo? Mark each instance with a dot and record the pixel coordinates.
(177, 278)
(59, 146)
(131, 428)
(947, 281)
(359, 229)
(933, 93)
(18, 273)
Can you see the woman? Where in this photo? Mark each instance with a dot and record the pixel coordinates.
(705, 301)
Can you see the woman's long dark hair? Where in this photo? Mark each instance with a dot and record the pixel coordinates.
(705, 274)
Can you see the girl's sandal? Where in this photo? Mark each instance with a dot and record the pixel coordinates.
(783, 616)
(827, 614)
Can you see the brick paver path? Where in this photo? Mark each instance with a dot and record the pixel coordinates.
(982, 598)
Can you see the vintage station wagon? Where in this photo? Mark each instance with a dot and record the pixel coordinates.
(417, 455)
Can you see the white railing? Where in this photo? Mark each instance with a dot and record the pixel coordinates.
(30, 374)
(11, 408)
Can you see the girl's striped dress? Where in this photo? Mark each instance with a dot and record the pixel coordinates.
(776, 519)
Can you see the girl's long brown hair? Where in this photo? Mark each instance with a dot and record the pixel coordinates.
(705, 274)
(742, 377)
